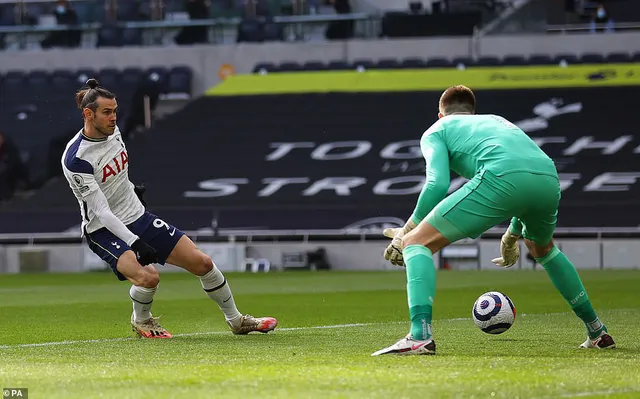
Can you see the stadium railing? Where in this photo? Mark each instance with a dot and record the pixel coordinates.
(586, 28)
(303, 236)
(214, 23)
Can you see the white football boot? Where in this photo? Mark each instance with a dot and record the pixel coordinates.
(409, 346)
(603, 341)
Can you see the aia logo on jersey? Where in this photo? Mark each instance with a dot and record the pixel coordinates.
(116, 166)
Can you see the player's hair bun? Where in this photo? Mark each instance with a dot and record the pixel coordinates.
(92, 83)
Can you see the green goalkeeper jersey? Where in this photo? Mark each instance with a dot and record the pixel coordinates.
(469, 145)
(475, 143)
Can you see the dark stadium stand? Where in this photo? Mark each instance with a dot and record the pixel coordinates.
(354, 159)
(38, 112)
(563, 12)
(418, 63)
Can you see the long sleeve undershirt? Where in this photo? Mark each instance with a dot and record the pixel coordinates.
(97, 203)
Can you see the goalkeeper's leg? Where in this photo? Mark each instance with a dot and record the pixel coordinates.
(565, 278)
(468, 212)
(419, 246)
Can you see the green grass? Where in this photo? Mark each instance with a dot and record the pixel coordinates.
(536, 358)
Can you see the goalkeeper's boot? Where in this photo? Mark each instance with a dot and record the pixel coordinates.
(603, 341)
(409, 346)
(247, 323)
(149, 328)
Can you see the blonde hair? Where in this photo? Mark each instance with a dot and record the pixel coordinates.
(458, 98)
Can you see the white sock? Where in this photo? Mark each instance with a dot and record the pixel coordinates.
(142, 299)
(215, 285)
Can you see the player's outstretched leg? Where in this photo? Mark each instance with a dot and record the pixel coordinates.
(145, 283)
(217, 288)
(565, 278)
(189, 257)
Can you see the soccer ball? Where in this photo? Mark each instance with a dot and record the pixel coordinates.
(494, 312)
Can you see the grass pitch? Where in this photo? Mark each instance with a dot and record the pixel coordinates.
(68, 336)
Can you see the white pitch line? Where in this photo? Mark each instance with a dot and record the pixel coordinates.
(102, 340)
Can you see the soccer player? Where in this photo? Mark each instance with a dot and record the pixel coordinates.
(119, 229)
(510, 177)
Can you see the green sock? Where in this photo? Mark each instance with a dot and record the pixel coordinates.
(421, 289)
(566, 280)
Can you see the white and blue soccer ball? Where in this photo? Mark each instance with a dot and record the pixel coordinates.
(494, 312)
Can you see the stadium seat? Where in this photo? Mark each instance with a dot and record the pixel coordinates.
(635, 57)
(540, 59)
(314, 66)
(158, 74)
(129, 11)
(85, 11)
(12, 89)
(438, 63)
(110, 78)
(250, 31)
(131, 37)
(366, 64)
(39, 82)
(514, 60)
(412, 63)
(109, 36)
(63, 84)
(618, 58)
(172, 6)
(568, 58)
(272, 31)
(264, 67)
(289, 66)
(462, 61)
(7, 16)
(132, 74)
(63, 80)
(34, 11)
(179, 82)
(130, 80)
(82, 75)
(592, 58)
(488, 61)
(387, 63)
(337, 65)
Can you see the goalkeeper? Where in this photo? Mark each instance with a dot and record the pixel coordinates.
(509, 177)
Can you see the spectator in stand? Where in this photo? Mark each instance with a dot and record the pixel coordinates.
(197, 9)
(601, 17)
(65, 15)
(340, 30)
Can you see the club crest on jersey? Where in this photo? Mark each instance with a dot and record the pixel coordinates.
(116, 166)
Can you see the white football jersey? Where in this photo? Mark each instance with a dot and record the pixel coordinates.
(90, 165)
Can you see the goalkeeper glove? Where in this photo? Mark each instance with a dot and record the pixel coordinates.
(509, 249)
(393, 252)
(139, 190)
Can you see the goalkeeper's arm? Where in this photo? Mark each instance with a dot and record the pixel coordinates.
(437, 181)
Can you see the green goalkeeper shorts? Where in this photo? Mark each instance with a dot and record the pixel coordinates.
(488, 200)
